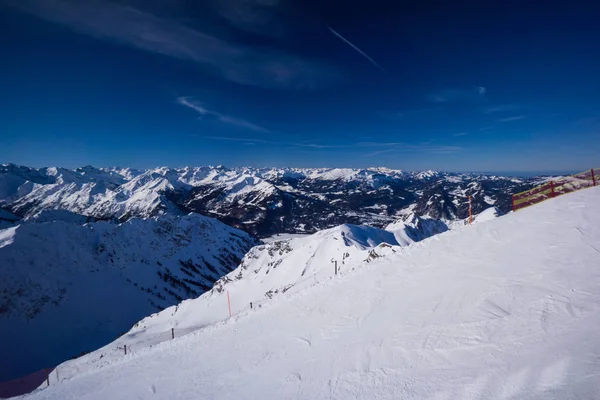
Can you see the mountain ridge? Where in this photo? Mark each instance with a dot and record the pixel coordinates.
(260, 201)
(69, 287)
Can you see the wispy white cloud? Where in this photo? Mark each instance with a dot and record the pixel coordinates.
(416, 113)
(378, 152)
(510, 119)
(499, 108)
(122, 22)
(377, 144)
(263, 17)
(452, 95)
(375, 148)
(303, 144)
(420, 148)
(460, 134)
(200, 109)
(236, 139)
(590, 123)
(321, 146)
(365, 55)
(487, 128)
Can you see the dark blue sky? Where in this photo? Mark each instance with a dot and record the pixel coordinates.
(419, 85)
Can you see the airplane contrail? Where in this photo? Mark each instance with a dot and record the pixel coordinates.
(357, 49)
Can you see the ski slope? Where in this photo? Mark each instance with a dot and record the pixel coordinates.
(504, 309)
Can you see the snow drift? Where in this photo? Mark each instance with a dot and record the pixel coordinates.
(504, 309)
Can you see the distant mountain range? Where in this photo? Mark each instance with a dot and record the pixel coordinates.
(86, 253)
(260, 201)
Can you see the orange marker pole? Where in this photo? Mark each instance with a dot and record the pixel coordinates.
(470, 212)
(229, 304)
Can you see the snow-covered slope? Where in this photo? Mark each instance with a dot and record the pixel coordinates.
(416, 228)
(68, 288)
(487, 215)
(7, 219)
(503, 309)
(268, 270)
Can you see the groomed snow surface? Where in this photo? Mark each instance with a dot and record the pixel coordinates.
(504, 309)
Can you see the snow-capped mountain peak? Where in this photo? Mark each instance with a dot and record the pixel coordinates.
(261, 201)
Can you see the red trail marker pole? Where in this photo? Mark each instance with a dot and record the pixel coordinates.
(470, 212)
(229, 304)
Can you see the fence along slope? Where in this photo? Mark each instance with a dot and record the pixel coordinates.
(555, 188)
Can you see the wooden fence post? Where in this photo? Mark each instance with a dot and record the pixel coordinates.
(125, 349)
(56, 374)
(593, 177)
(250, 305)
(48, 379)
(172, 333)
(470, 211)
(552, 187)
(335, 266)
(229, 304)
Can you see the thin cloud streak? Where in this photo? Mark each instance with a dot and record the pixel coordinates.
(440, 149)
(290, 144)
(453, 95)
(510, 119)
(254, 16)
(376, 144)
(387, 147)
(234, 139)
(187, 102)
(357, 49)
(499, 108)
(125, 24)
(459, 134)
